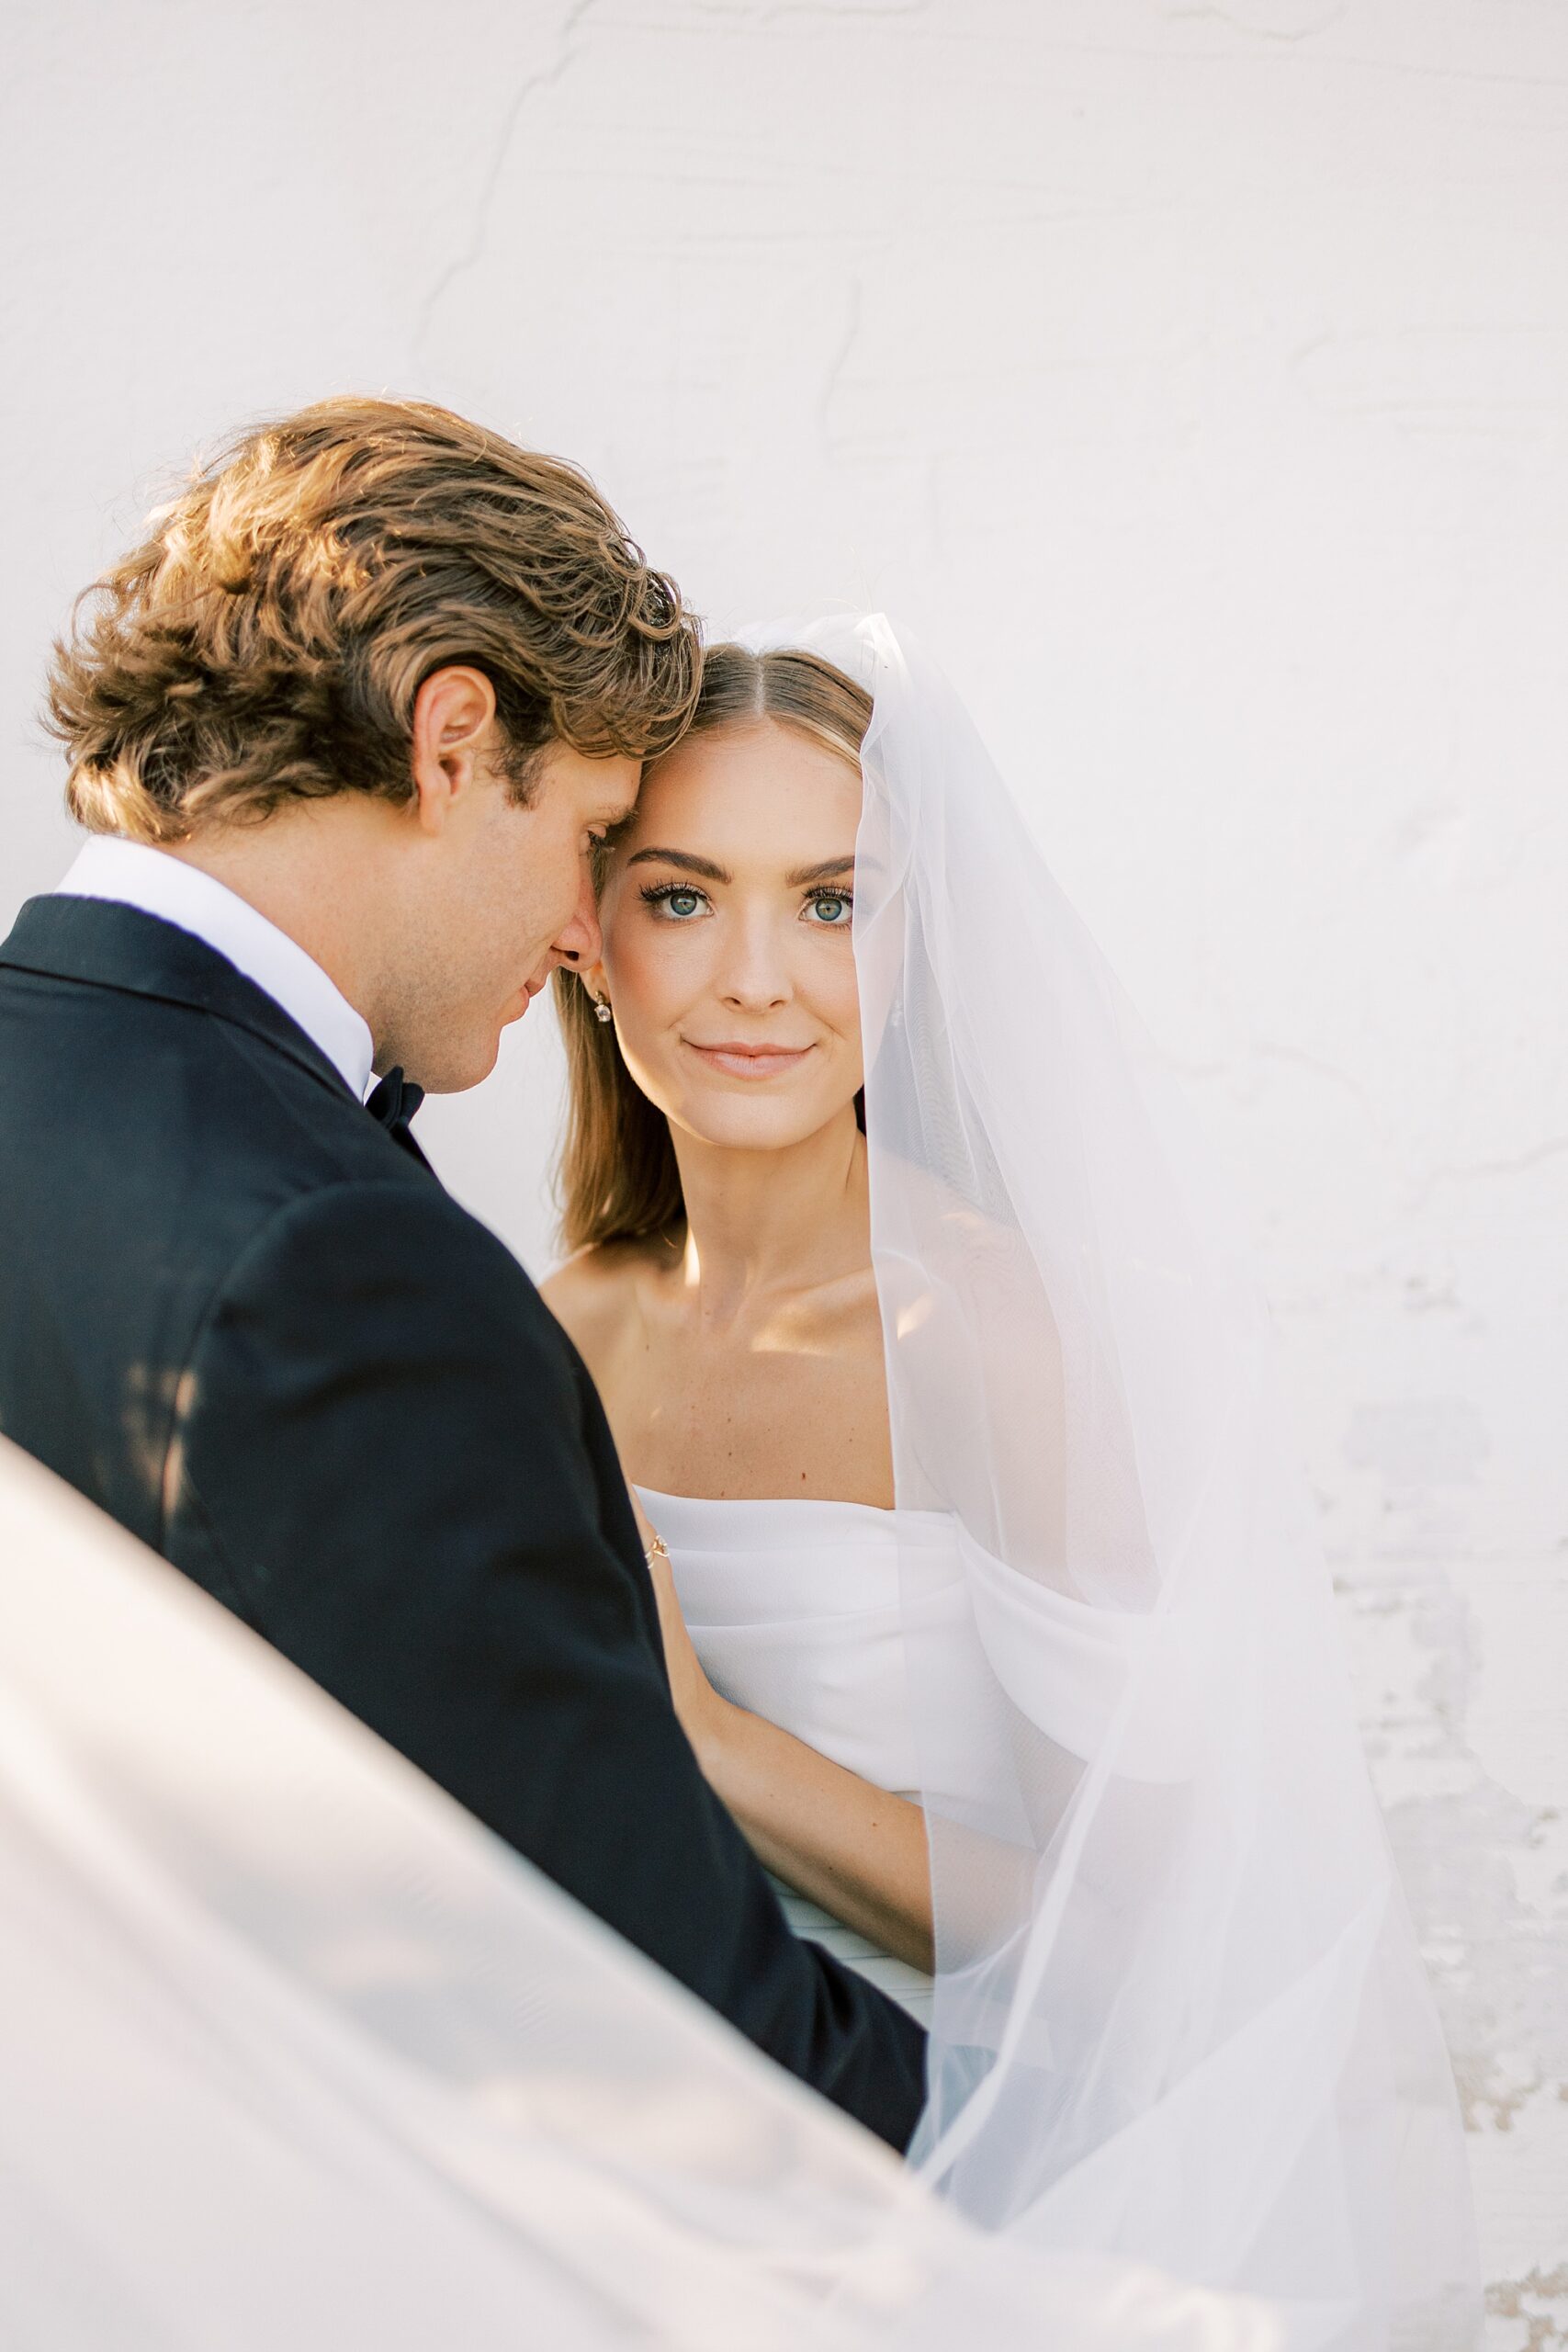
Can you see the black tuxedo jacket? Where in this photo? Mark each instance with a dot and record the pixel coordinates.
(247, 1324)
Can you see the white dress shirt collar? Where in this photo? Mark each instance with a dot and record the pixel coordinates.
(135, 875)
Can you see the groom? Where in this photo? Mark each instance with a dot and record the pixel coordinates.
(343, 731)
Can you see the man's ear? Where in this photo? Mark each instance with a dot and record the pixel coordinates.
(454, 720)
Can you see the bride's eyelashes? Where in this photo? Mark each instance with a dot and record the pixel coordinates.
(682, 902)
(673, 898)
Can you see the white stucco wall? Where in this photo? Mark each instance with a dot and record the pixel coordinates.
(1198, 375)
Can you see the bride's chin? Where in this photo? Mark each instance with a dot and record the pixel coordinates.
(730, 1126)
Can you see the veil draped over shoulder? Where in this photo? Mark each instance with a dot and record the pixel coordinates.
(1179, 2010)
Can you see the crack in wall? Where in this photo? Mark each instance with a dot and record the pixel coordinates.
(567, 50)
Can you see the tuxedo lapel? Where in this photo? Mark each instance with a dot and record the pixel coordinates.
(100, 943)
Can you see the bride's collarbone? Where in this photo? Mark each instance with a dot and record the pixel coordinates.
(786, 1397)
(657, 1312)
(791, 1403)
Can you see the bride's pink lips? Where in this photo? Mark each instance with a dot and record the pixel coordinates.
(749, 1061)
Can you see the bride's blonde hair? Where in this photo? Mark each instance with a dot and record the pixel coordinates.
(616, 1179)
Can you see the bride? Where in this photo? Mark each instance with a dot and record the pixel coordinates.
(991, 1604)
(724, 1298)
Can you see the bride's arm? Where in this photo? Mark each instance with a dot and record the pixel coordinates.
(851, 1847)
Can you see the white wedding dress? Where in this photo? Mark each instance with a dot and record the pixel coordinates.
(796, 1611)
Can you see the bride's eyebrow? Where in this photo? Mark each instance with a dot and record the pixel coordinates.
(685, 860)
(689, 862)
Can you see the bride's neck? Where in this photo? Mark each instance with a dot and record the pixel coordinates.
(762, 1223)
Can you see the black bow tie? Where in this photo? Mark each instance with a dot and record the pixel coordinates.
(393, 1103)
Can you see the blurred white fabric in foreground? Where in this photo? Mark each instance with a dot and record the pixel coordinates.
(293, 2051)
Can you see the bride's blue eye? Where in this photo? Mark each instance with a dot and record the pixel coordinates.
(677, 900)
(835, 908)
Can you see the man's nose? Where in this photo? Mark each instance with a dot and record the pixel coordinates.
(580, 942)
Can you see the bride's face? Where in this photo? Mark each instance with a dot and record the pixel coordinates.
(725, 919)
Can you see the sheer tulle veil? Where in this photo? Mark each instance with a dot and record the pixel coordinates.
(1180, 2013)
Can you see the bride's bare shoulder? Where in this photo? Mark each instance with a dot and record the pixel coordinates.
(595, 1292)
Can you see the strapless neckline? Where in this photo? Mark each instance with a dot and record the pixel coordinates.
(798, 1516)
(769, 1502)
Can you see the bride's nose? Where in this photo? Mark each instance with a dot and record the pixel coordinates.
(755, 974)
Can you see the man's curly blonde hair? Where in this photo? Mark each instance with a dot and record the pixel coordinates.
(267, 642)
